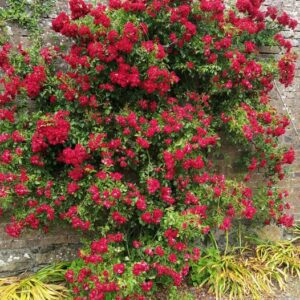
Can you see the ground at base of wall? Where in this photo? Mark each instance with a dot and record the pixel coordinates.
(292, 292)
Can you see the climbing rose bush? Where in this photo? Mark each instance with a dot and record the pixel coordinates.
(120, 135)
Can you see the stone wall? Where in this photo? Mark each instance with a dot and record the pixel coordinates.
(36, 249)
(288, 101)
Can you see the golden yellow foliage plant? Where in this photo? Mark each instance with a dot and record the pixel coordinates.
(46, 284)
(251, 272)
(282, 255)
(229, 275)
(296, 230)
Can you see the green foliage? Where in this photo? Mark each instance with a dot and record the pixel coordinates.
(3, 33)
(176, 294)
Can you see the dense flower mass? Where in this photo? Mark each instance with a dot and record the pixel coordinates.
(122, 140)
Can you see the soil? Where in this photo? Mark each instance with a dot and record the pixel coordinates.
(292, 292)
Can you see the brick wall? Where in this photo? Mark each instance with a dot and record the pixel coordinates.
(36, 249)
